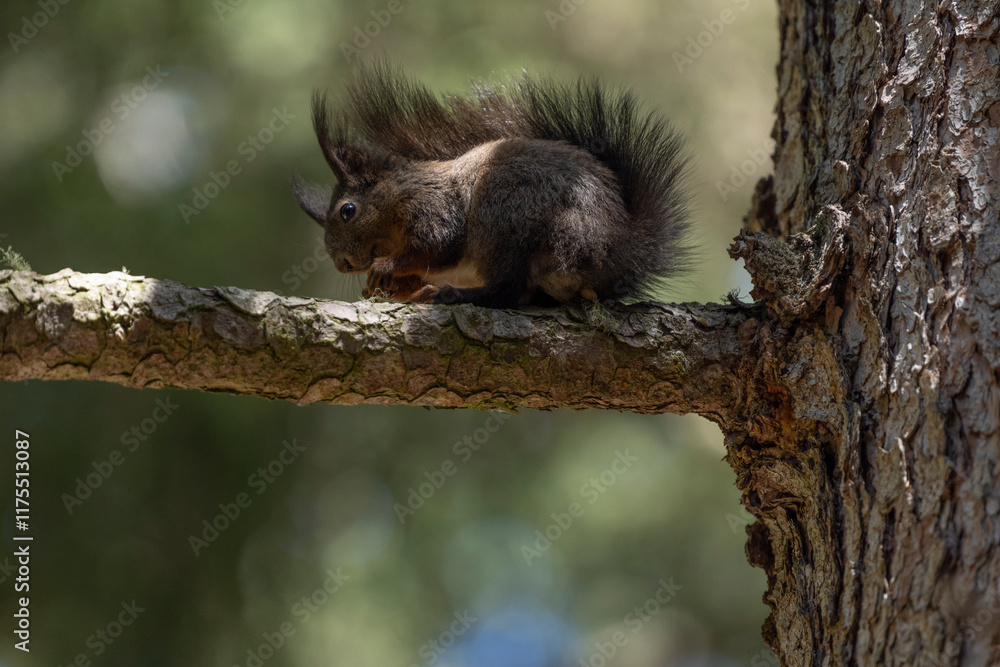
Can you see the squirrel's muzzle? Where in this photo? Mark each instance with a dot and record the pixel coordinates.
(343, 264)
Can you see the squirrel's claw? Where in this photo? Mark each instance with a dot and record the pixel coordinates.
(378, 281)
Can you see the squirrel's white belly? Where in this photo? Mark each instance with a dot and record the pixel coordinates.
(464, 274)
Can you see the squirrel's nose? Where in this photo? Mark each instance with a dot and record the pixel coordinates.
(343, 264)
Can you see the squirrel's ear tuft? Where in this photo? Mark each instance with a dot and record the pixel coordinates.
(354, 165)
(331, 136)
(313, 199)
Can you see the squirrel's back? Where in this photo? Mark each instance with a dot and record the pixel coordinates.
(399, 118)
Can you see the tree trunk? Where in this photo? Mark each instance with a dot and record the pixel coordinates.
(879, 504)
(859, 399)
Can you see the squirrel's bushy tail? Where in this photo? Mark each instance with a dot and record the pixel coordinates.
(642, 150)
(396, 115)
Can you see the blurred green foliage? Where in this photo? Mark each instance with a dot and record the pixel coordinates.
(157, 101)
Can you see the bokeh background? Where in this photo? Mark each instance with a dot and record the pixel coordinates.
(114, 116)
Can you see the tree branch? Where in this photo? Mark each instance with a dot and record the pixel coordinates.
(142, 332)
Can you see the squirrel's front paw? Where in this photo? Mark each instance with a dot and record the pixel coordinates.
(378, 283)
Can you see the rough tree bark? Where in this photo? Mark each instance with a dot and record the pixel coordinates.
(859, 400)
(142, 332)
(879, 505)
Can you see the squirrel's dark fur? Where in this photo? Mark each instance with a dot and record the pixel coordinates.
(526, 192)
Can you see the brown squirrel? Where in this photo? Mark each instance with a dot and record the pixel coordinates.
(530, 192)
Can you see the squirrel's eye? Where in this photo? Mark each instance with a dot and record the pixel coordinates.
(347, 212)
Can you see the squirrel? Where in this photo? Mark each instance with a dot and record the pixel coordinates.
(530, 192)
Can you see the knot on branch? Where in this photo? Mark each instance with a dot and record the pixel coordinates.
(795, 278)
